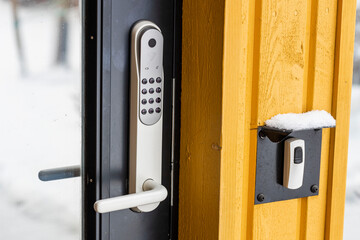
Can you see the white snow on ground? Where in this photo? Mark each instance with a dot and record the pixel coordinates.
(352, 205)
(39, 128)
(300, 121)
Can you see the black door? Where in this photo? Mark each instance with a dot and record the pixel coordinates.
(106, 81)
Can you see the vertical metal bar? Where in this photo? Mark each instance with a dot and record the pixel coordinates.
(172, 142)
(91, 55)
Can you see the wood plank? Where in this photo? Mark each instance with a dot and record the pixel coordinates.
(341, 110)
(236, 105)
(203, 26)
(320, 76)
(280, 90)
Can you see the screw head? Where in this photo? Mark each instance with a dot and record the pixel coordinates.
(314, 188)
(260, 197)
(262, 135)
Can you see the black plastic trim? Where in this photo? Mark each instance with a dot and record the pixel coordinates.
(177, 67)
(91, 59)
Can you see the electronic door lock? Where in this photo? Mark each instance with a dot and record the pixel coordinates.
(294, 161)
(146, 124)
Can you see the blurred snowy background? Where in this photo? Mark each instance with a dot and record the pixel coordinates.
(352, 205)
(40, 124)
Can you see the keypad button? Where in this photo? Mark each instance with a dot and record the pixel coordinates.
(158, 110)
(158, 100)
(144, 81)
(158, 80)
(151, 100)
(144, 91)
(143, 112)
(151, 90)
(151, 80)
(151, 110)
(143, 101)
(158, 90)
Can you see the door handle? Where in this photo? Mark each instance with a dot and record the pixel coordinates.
(146, 124)
(59, 173)
(153, 193)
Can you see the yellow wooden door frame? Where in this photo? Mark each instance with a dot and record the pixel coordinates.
(245, 61)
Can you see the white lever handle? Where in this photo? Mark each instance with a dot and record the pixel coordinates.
(153, 193)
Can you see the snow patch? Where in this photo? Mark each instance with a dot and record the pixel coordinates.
(301, 121)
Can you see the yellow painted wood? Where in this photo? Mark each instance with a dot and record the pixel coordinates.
(280, 79)
(237, 69)
(341, 110)
(320, 79)
(262, 58)
(199, 186)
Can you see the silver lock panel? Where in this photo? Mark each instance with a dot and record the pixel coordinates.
(151, 76)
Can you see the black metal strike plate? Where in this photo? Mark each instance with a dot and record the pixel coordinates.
(270, 162)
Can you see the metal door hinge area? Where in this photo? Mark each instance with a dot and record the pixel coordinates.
(270, 164)
(172, 142)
